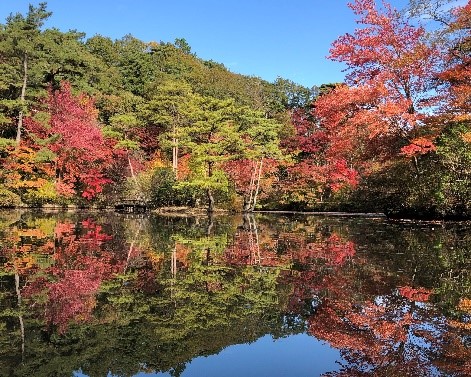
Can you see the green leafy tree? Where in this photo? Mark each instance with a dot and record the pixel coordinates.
(262, 142)
(135, 64)
(212, 138)
(121, 129)
(104, 49)
(183, 45)
(172, 107)
(19, 41)
(68, 59)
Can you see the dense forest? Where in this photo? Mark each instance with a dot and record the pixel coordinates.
(90, 121)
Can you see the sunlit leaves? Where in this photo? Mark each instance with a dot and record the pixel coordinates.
(457, 74)
(391, 70)
(418, 146)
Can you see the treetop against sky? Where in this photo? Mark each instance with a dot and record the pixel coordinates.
(265, 38)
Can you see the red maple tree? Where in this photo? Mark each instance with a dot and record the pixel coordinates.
(383, 105)
(458, 73)
(314, 174)
(83, 155)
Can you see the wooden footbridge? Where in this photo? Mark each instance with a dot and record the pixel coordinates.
(131, 206)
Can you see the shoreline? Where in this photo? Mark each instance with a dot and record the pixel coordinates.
(201, 211)
(327, 213)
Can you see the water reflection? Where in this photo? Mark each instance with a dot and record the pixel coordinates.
(92, 294)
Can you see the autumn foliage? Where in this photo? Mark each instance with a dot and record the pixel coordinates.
(243, 143)
(83, 154)
(457, 75)
(387, 92)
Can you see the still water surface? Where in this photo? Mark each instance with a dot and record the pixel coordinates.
(99, 294)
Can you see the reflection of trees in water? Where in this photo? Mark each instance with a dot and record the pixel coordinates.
(171, 289)
(264, 246)
(394, 335)
(391, 336)
(381, 330)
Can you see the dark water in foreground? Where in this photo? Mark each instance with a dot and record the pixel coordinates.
(93, 294)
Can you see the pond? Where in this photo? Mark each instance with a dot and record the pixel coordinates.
(94, 294)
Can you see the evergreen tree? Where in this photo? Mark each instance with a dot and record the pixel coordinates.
(19, 53)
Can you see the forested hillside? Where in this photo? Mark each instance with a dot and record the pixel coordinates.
(90, 121)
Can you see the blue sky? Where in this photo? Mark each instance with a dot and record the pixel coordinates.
(265, 38)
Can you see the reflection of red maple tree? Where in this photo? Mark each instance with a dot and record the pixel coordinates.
(94, 234)
(379, 330)
(388, 336)
(72, 297)
(288, 249)
(80, 266)
(83, 258)
(248, 248)
(415, 294)
(333, 250)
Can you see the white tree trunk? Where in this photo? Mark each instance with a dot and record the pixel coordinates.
(258, 184)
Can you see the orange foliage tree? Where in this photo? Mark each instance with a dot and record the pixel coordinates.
(387, 94)
(457, 75)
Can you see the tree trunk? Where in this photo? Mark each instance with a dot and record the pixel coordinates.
(209, 230)
(134, 178)
(257, 256)
(416, 166)
(131, 168)
(173, 266)
(210, 196)
(20, 317)
(258, 184)
(246, 224)
(22, 100)
(131, 246)
(175, 152)
(209, 192)
(176, 158)
(248, 203)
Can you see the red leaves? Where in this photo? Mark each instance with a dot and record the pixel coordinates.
(81, 264)
(341, 175)
(376, 335)
(242, 172)
(458, 73)
(333, 174)
(94, 233)
(94, 182)
(418, 146)
(387, 50)
(320, 168)
(250, 248)
(309, 137)
(391, 68)
(77, 157)
(75, 120)
(72, 297)
(82, 154)
(415, 294)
